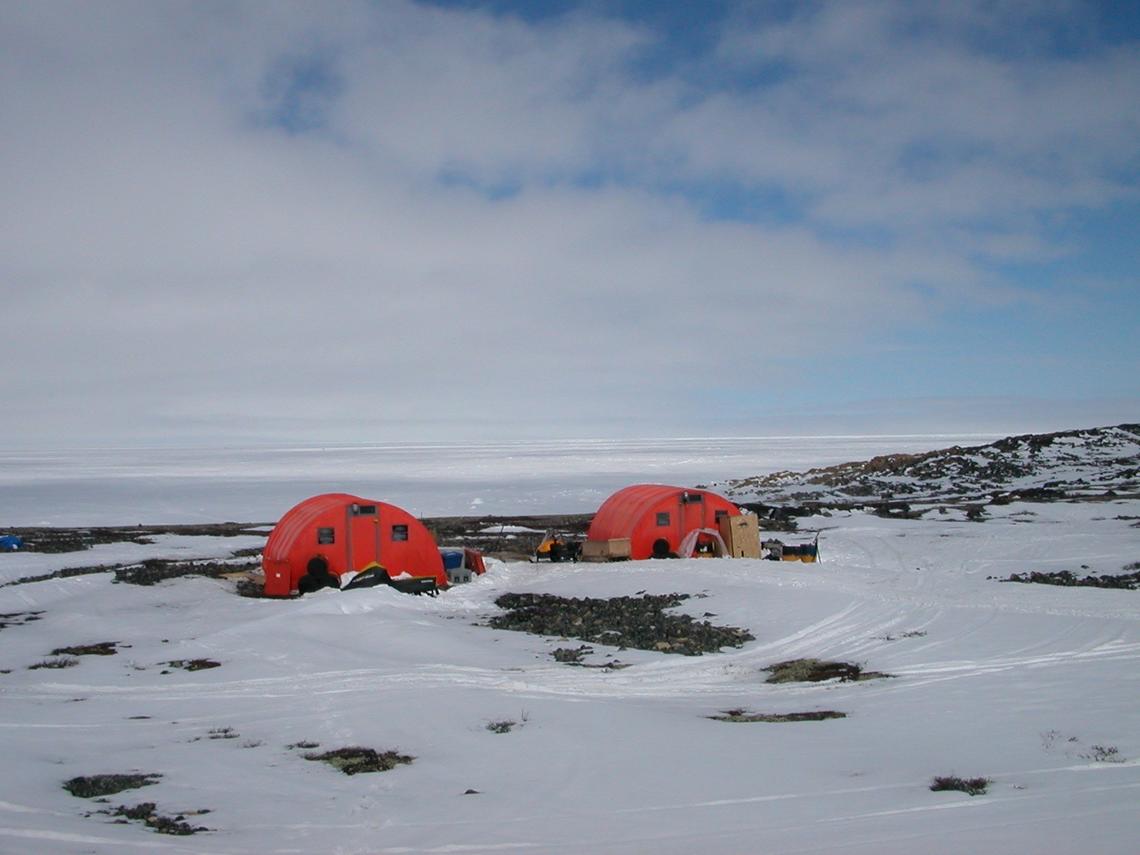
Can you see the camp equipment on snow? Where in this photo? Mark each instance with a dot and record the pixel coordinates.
(461, 562)
(556, 548)
(777, 550)
(375, 574)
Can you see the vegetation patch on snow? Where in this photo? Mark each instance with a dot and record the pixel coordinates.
(745, 717)
(147, 813)
(1068, 579)
(354, 759)
(911, 633)
(57, 662)
(571, 655)
(99, 648)
(637, 622)
(969, 786)
(1103, 754)
(218, 733)
(818, 670)
(506, 725)
(193, 664)
(92, 786)
(577, 656)
(19, 618)
(1073, 747)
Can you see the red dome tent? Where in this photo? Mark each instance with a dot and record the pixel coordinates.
(349, 533)
(656, 518)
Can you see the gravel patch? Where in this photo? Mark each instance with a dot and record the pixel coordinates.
(623, 622)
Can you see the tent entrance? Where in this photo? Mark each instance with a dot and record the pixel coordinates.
(362, 535)
(709, 536)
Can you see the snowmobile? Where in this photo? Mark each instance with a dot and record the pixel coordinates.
(556, 549)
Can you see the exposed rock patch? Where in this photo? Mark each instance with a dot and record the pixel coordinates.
(818, 670)
(100, 648)
(147, 813)
(19, 618)
(354, 760)
(156, 570)
(638, 622)
(571, 655)
(149, 572)
(58, 540)
(193, 664)
(57, 662)
(969, 786)
(92, 786)
(1068, 579)
(745, 717)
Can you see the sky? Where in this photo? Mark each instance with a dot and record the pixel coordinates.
(359, 221)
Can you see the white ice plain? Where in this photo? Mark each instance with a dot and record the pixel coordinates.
(84, 487)
(1017, 683)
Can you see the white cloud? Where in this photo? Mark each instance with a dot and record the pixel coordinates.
(261, 215)
(906, 116)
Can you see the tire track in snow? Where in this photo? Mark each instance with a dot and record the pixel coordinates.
(43, 836)
(667, 677)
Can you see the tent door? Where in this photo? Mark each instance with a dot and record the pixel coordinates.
(362, 524)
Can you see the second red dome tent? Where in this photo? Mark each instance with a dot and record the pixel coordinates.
(656, 518)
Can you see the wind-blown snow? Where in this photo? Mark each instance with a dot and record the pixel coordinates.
(1013, 682)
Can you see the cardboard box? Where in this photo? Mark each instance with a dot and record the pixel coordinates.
(614, 549)
(741, 535)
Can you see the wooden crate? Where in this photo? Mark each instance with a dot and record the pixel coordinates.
(741, 535)
(614, 549)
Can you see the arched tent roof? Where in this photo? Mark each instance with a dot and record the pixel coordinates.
(349, 533)
(298, 518)
(647, 513)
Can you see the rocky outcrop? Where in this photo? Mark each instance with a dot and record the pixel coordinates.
(1095, 462)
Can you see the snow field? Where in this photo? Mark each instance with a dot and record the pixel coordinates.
(83, 487)
(1013, 682)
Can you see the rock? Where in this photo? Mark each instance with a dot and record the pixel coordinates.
(622, 622)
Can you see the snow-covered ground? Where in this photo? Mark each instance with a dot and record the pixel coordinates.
(1024, 684)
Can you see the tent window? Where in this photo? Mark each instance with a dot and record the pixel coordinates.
(720, 515)
(662, 518)
(399, 532)
(692, 498)
(364, 510)
(326, 536)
